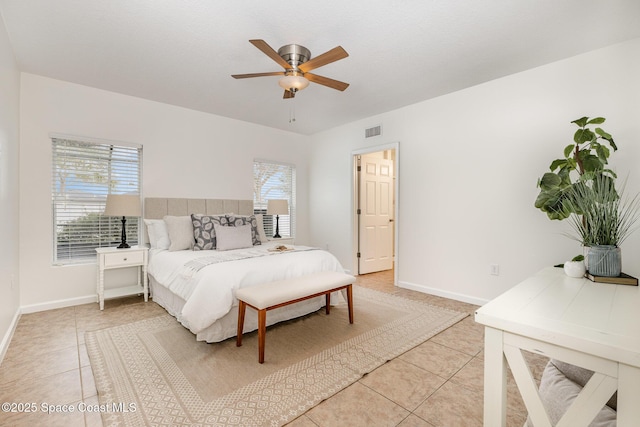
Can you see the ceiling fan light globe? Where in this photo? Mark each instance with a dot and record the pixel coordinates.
(293, 82)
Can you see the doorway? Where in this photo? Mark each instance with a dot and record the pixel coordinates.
(375, 208)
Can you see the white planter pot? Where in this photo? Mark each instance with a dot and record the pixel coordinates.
(574, 268)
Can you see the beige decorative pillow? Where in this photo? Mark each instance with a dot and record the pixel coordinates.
(237, 237)
(180, 231)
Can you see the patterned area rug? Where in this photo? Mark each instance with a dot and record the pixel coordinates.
(154, 372)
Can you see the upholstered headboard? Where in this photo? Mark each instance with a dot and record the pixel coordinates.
(157, 208)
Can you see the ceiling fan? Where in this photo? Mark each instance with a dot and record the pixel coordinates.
(296, 61)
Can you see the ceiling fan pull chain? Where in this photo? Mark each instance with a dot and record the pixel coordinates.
(292, 112)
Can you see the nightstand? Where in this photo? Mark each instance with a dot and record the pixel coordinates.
(282, 240)
(111, 258)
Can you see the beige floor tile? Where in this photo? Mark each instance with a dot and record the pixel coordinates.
(83, 355)
(414, 421)
(452, 405)
(470, 324)
(39, 365)
(436, 358)
(88, 383)
(36, 339)
(536, 363)
(357, 406)
(54, 417)
(471, 375)
(461, 338)
(54, 318)
(403, 383)
(55, 389)
(302, 421)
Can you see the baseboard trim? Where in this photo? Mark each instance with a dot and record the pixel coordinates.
(6, 340)
(440, 293)
(51, 305)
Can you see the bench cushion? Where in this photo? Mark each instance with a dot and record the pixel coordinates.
(274, 293)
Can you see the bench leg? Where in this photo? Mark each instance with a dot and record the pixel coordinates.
(242, 307)
(327, 300)
(350, 302)
(262, 332)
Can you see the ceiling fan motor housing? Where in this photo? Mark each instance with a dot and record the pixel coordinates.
(294, 54)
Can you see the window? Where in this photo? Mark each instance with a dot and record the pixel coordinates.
(84, 172)
(273, 180)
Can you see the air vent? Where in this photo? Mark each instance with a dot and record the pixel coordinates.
(374, 131)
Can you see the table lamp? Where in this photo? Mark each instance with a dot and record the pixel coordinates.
(277, 207)
(123, 205)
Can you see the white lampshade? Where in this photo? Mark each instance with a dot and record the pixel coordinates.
(293, 82)
(123, 205)
(277, 207)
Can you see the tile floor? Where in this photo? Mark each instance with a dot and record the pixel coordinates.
(437, 384)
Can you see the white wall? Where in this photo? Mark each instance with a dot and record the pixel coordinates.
(468, 165)
(9, 214)
(186, 154)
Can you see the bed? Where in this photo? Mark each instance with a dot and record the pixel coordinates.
(197, 285)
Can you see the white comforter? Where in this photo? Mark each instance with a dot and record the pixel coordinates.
(210, 292)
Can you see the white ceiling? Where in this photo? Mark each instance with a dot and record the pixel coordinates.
(183, 52)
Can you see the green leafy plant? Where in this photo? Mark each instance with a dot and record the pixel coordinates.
(578, 258)
(584, 159)
(601, 214)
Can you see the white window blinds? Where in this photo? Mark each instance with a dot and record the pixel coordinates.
(83, 174)
(272, 180)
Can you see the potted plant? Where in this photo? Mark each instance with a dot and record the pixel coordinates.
(602, 218)
(587, 155)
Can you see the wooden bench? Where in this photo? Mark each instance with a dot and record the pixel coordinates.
(284, 292)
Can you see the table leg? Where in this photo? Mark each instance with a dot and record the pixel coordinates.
(628, 392)
(101, 288)
(495, 379)
(145, 281)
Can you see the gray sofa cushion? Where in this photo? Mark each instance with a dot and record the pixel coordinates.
(558, 393)
(581, 376)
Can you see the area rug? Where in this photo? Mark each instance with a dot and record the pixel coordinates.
(154, 373)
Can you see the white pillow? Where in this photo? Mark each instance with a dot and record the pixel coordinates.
(261, 234)
(158, 233)
(233, 237)
(180, 230)
(153, 240)
(162, 235)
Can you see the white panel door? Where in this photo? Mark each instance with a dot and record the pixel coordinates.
(376, 215)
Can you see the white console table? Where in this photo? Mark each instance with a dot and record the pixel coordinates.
(592, 325)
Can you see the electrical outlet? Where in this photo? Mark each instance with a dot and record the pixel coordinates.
(494, 269)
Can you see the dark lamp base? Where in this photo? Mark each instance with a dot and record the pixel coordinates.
(277, 235)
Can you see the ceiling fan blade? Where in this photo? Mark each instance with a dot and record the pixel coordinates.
(333, 55)
(247, 76)
(326, 81)
(270, 52)
(288, 94)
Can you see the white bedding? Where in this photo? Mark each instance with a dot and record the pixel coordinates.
(209, 292)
